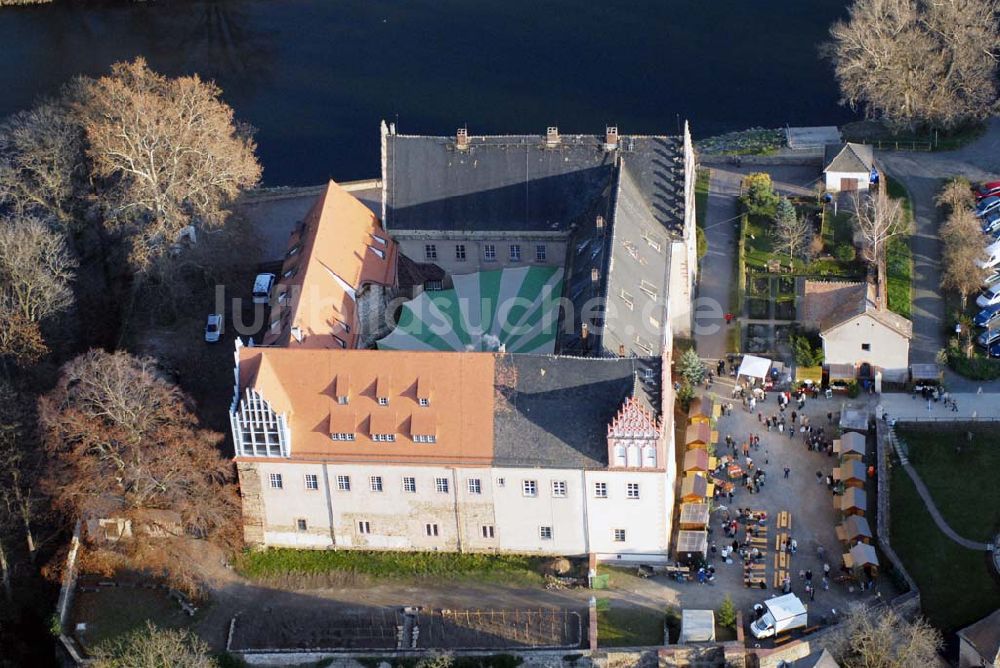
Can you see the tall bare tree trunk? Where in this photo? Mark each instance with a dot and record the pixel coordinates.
(5, 574)
(24, 509)
(882, 290)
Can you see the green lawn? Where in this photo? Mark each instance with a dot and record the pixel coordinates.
(957, 585)
(112, 612)
(701, 186)
(619, 626)
(278, 562)
(899, 258)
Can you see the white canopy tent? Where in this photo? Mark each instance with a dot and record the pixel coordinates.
(754, 367)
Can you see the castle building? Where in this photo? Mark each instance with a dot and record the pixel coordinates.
(482, 367)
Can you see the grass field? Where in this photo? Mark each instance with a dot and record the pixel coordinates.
(113, 612)
(619, 626)
(899, 258)
(957, 585)
(279, 562)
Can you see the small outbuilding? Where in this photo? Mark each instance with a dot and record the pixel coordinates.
(697, 626)
(696, 460)
(694, 488)
(849, 167)
(700, 410)
(851, 472)
(853, 529)
(980, 643)
(694, 516)
(698, 435)
(862, 557)
(853, 502)
(852, 447)
(692, 546)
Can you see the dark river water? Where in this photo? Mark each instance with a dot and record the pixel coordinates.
(316, 76)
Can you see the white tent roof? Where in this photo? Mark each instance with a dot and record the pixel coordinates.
(697, 626)
(755, 367)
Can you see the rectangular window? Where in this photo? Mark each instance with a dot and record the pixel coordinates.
(601, 490)
(431, 529)
(342, 400)
(488, 531)
(515, 252)
(344, 483)
(425, 402)
(545, 533)
(501, 482)
(430, 252)
(441, 485)
(376, 483)
(364, 527)
(384, 438)
(312, 481)
(342, 436)
(866, 346)
(632, 490)
(475, 487)
(489, 252)
(275, 479)
(529, 488)
(559, 488)
(410, 485)
(540, 253)
(383, 401)
(619, 535)
(301, 525)
(460, 252)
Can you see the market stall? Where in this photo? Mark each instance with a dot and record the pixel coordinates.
(854, 529)
(695, 487)
(851, 472)
(698, 435)
(694, 516)
(853, 502)
(692, 546)
(696, 460)
(700, 410)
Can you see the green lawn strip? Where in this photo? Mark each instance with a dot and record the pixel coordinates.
(958, 480)
(278, 562)
(956, 584)
(899, 257)
(701, 187)
(621, 626)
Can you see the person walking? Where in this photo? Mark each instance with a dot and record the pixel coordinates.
(819, 476)
(781, 427)
(812, 593)
(787, 471)
(829, 418)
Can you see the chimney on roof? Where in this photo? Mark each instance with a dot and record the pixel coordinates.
(584, 331)
(462, 139)
(595, 275)
(599, 223)
(552, 136)
(611, 138)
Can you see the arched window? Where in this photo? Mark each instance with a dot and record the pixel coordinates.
(633, 456)
(649, 456)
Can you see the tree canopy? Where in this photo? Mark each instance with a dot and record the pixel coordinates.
(916, 63)
(153, 647)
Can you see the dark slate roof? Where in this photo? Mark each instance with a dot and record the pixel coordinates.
(499, 183)
(519, 183)
(554, 411)
(637, 274)
(984, 636)
(818, 659)
(848, 158)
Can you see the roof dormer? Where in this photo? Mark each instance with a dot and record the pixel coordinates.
(423, 392)
(342, 389)
(383, 389)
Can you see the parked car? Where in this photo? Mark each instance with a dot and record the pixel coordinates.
(995, 350)
(262, 287)
(991, 255)
(986, 205)
(989, 296)
(991, 222)
(986, 316)
(989, 337)
(992, 279)
(213, 328)
(987, 190)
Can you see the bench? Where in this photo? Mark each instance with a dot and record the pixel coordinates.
(781, 640)
(673, 570)
(785, 520)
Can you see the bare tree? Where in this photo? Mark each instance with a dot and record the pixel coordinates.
(36, 270)
(794, 233)
(42, 163)
(121, 440)
(153, 647)
(169, 152)
(881, 638)
(956, 194)
(915, 63)
(964, 247)
(878, 219)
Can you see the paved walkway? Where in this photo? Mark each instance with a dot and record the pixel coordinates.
(717, 271)
(971, 407)
(928, 500)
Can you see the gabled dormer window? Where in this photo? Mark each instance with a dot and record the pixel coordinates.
(425, 402)
(384, 438)
(342, 436)
(383, 401)
(342, 400)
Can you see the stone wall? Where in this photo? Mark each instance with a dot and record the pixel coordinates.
(253, 505)
(908, 603)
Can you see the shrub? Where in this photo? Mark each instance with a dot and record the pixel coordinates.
(845, 253)
(727, 613)
(853, 389)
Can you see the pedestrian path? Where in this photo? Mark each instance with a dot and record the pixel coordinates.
(972, 407)
(928, 500)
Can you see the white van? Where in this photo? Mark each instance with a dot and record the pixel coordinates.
(262, 288)
(992, 256)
